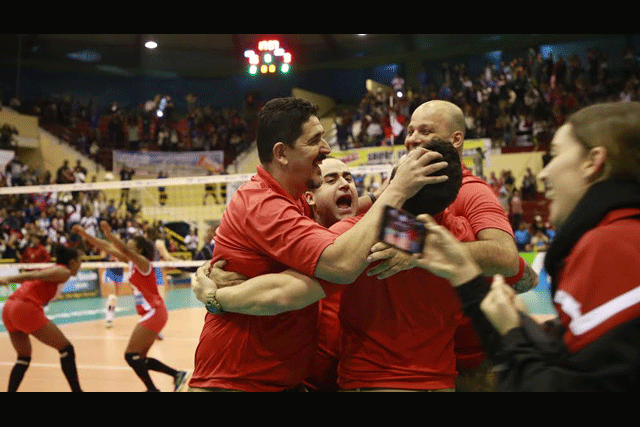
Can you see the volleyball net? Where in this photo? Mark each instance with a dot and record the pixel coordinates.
(180, 211)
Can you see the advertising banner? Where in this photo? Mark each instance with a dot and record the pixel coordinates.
(149, 164)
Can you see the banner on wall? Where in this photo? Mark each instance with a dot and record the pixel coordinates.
(149, 164)
(391, 154)
(370, 155)
(83, 285)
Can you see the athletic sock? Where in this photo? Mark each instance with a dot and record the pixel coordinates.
(139, 366)
(156, 365)
(17, 373)
(68, 363)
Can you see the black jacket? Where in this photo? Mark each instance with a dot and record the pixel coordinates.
(534, 357)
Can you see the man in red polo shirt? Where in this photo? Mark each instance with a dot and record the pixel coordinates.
(397, 333)
(494, 249)
(267, 228)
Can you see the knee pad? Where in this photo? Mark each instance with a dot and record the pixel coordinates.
(25, 361)
(67, 351)
(133, 358)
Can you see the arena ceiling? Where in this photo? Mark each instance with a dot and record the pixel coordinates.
(221, 55)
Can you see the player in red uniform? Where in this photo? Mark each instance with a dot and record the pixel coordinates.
(138, 251)
(23, 315)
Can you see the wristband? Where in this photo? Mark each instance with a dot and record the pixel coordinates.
(515, 279)
(372, 197)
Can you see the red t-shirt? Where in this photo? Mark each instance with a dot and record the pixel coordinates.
(478, 203)
(263, 230)
(35, 254)
(599, 284)
(398, 332)
(38, 291)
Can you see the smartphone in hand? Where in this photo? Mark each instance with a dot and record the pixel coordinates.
(402, 230)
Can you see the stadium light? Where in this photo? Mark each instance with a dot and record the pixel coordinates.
(269, 58)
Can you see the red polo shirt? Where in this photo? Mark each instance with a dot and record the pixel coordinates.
(398, 332)
(263, 230)
(477, 203)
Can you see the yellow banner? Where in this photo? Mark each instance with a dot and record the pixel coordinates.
(370, 155)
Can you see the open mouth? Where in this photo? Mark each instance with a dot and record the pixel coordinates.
(344, 202)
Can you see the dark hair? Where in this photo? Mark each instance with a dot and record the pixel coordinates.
(434, 198)
(64, 254)
(281, 120)
(147, 247)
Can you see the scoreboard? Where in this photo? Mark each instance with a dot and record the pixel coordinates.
(269, 58)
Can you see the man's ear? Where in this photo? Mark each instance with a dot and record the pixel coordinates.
(280, 153)
(595, 164)
(457, 140)
(310, 198)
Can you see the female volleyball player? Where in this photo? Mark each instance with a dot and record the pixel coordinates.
(138, 251)
(23, 315)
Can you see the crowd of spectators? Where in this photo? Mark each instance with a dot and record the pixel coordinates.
(40, 221)
(153, 125)
(519, 102)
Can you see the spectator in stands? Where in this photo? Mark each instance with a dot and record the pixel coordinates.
(6, 136)
(539, 241)
(206, 251)
(133, 133)
(478, 162)
(191, 242)
(64, 174)
(79, 172)
(126, 173)
(523, 237)
(516, 210)
(111, 209)
(529, 185)
(538, 225)
(35, 251)
(343, 131)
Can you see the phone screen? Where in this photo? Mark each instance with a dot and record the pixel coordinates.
(402, 230)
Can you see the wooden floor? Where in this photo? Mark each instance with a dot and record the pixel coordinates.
(100, 353)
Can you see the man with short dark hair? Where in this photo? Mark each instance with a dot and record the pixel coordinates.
(267, 228)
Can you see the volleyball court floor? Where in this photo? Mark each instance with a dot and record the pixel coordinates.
(100, 350)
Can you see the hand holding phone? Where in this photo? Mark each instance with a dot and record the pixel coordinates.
(402, 230)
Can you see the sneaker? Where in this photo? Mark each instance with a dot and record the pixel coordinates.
(108, 318)
(181, 380)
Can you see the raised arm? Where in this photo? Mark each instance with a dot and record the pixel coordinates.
(138, 260)
(99, 243)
